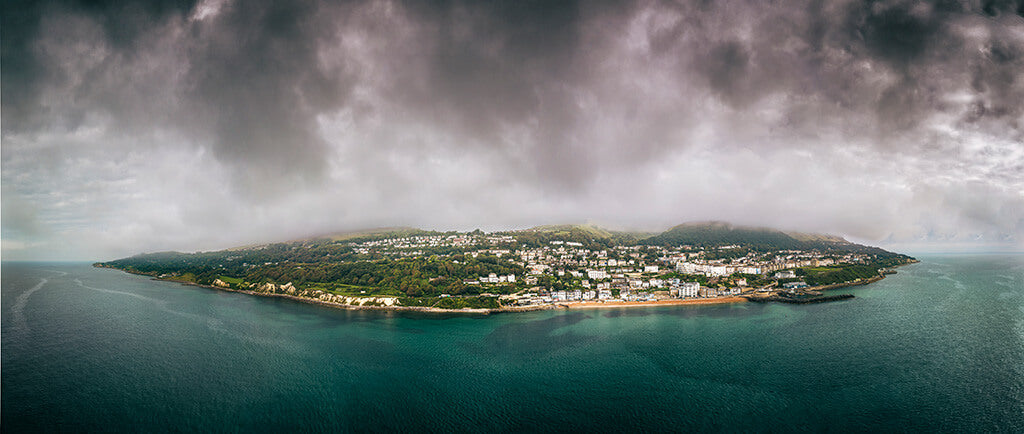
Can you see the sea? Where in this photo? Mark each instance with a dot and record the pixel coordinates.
(939, 346)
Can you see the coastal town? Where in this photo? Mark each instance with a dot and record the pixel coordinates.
(539, 268)
(566, 272)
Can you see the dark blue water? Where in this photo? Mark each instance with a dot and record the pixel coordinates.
(937, 347)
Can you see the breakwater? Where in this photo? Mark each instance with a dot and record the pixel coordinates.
(793, 300)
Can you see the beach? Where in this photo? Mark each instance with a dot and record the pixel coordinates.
(617, 304)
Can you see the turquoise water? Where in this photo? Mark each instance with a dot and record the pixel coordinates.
(937, 347)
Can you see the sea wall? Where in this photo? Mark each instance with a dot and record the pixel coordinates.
(822, 299)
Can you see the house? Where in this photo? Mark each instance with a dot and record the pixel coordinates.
(689, 289)
(750, 270)
(651, 269)
(719, 270)
(789, 274)
(686, 267)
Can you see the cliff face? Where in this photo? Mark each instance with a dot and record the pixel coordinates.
(289, 289)
(313, 294)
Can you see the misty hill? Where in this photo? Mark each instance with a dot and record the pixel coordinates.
(713, 234)
(589, 235)
(355, 236)
(573, 229)
(378, 233)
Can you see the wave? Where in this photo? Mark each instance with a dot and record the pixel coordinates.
(212, 323)
(18, 310)
(956, 283)
(111, 291)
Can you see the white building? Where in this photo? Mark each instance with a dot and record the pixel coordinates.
(686, 267)
(718, 270)
(689, 289)
(750, 270)
(651, 269)
(785, 275)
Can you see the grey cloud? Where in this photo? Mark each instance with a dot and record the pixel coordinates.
(20, 217)
(400, 105)
(251, 81)
(255, 84)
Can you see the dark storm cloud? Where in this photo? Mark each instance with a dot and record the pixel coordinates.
(251, 83)
(27, 71)
(726, 68)
(555, 103)
(256, 85)
(897, 33)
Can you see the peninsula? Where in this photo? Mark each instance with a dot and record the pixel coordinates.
(546, 267)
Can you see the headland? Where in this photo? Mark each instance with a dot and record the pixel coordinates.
(548, 267)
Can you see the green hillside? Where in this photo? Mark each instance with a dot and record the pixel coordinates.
(714, 234)
(591, 236)
(711, 234)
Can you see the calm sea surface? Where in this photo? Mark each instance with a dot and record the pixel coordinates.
(937, 347)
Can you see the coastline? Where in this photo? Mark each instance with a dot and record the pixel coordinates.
(670, 302)
(509, 309)
(860, 282)
(424, 309)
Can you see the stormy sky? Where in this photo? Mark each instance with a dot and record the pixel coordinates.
(133, 127)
